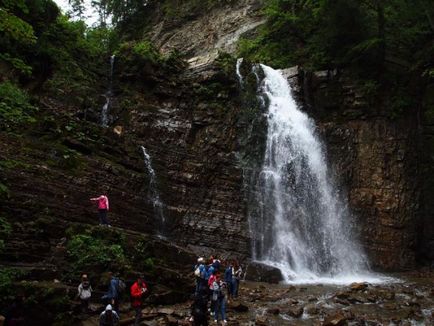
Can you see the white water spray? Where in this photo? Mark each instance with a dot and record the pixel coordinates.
(153, 194)
(299, 223)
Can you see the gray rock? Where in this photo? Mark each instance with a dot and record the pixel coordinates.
(263, 273)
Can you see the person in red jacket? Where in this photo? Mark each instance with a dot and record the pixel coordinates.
(138, 289)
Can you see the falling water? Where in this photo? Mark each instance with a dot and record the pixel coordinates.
(298, 221)
(154, 195)
(240, 77)
(108, 95)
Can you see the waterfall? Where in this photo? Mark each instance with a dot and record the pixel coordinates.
(240, 77)
(298, 220)
(108, 95)
(154, 195)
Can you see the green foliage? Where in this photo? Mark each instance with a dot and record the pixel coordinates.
(7, 277)
(5, 230)
(15, 107)
(146, 51)
(92, 251)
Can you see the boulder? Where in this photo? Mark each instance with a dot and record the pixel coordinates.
(295, 311)
(261, 321)
(239, 306)
(358, 286)
(259, 272)
(273, 311)
(336, 319)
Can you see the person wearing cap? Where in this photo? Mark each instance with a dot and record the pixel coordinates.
(108, 317)
(138, 289)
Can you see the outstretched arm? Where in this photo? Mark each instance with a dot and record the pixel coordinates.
(95, 198)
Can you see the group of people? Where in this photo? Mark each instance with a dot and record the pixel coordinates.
(111, 299)
(210, 288)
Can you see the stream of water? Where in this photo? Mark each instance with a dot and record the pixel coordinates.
(154, 194)
(108, 95)
(300, 222)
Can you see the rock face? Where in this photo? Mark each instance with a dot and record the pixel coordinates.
(212, 30)
(192, 122)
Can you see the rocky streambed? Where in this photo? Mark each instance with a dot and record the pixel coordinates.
(409, 301)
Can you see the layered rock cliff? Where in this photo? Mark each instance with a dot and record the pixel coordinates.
(195, 123)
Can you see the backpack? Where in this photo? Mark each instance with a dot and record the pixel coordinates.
(120, 286)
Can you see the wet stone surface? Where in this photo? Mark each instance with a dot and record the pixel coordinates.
(409, 301)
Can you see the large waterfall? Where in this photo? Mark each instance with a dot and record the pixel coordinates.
(299, 223)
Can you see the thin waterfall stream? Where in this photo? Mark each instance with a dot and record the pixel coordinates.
(298, 220)
(154, 195)
(108, 95)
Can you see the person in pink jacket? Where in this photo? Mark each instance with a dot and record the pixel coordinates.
(103, 207)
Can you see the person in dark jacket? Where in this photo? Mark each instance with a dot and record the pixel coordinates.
(228, 279)
(112, 294)
(199, 308)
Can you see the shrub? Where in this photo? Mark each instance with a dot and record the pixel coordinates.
(15, 107)
(86, 252)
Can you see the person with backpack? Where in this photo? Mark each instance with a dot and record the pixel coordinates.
(84, 293)
(116, 287)
(219, 299)
(137, 290)
(199, 273)
(109, 317)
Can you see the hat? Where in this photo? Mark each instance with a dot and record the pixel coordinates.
(109, 307)
(200, 260)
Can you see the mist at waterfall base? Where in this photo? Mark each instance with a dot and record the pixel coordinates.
(154, 195)
(298, 221)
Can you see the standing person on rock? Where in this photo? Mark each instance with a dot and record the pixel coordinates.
(137, 291)
(238, 271)
(219, 299)
(84, 293)
(228, 279)
(199, 273)
(103, 208)
(199, 307)
(113, 293)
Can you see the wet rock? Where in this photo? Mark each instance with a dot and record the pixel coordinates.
(263, 273)
(166, 311)
(238, 306)
(336, 319)
(295, 311)
(312, 309)
(273, 311)
(261, 321)
(358, 286)
(390, 306)
(171, 321)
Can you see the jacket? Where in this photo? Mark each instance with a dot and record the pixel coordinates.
(136, 292)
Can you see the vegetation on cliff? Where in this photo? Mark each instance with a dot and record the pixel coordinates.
(386, 45)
